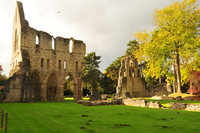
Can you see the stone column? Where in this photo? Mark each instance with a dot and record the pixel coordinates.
(75, 91)
(60, 92)
(80, 92)
(43, 90)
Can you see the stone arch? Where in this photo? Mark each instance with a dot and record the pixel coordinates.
(36, 85)
(77, 86)
(52, 86)
(69, 82)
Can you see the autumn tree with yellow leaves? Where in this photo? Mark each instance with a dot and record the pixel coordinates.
(174, 44)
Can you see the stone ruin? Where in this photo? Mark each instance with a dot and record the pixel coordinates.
(130, 80)
(40, 64)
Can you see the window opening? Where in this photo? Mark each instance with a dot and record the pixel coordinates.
(53, 44)
(59, 66)
(70, 46)
(42, 62)
(65, 64)
(48, 63)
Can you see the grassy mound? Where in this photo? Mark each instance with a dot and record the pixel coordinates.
(68, 117)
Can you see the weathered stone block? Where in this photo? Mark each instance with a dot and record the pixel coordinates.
(154, 105)
(96, 103)
(133, 102)
(193, 107)
(178, 106)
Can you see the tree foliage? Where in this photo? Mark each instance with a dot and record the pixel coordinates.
(68, 86)
(174, 43)
(91, 72)
(132, 47)
(1, 69)
(111, 75)
(3, 78)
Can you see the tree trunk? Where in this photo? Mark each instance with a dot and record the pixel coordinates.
(175, 74)
(91, 91)
(160, 80)
(178, 73)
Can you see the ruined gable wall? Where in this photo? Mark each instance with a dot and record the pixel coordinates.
(129, 79)
(44, 59)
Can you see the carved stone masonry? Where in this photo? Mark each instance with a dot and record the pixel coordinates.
(40, 63)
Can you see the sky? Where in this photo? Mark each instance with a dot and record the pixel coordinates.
(105, 26)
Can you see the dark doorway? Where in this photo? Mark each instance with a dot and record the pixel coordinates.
(36, 86)
(51, 87)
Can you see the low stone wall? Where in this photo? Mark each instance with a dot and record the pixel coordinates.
(140, 103)
(100, 102)
(193, 107)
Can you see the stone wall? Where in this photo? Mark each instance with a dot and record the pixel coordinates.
(159, 90)
(51, 60)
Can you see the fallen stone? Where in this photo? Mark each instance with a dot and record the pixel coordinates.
(97, 102)
(79, 101)
(178, 106)
(104, 96)
(133, 102)
(193, 107)
(116, 101)
(154, 105)
(95, 97)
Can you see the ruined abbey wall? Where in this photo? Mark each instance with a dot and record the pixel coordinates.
(130, 79)
(40, 63)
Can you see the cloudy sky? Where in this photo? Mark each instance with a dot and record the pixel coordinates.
(106, 26)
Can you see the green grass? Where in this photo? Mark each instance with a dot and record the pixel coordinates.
(71, 98)
(67, 117)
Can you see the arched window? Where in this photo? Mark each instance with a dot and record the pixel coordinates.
(37, 40)
(53, 44)
(70, 46)
(59, 64)
(48, 62)
(42, 62)
(65, 64)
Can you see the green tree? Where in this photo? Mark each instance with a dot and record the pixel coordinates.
(106, 84)
(91, 72)
(68, 86)
(133, 45)
(1, 69)
(112, 72)
(173, 43)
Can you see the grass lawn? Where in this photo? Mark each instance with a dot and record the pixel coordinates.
(68, 117)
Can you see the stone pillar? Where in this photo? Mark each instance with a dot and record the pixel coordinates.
(43, 91)
(75, 91)
(60, 92)
(80, 92)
